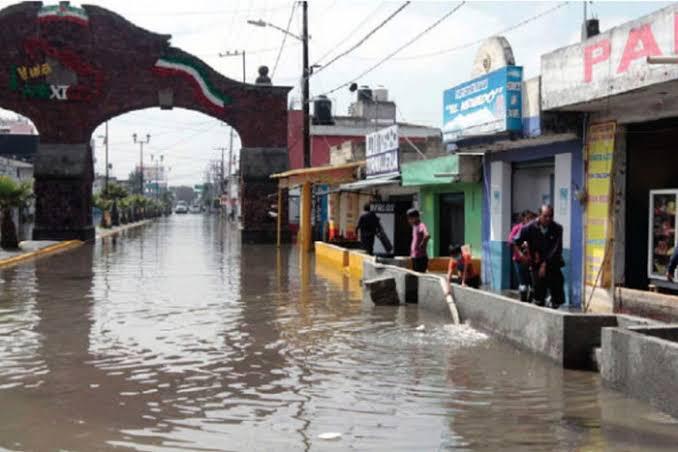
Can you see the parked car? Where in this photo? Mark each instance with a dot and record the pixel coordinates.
(181, 207)
(195, 208)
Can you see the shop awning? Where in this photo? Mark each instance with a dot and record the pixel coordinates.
(370, 183)
(331, 175)
(436, 171)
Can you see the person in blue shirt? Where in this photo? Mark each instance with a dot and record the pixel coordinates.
(673, 263)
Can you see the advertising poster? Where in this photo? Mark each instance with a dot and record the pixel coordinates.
(600, 149)
(382, 152)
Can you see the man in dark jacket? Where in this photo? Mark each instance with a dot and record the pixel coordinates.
(673, 263)
(544, 239)
(367, 228)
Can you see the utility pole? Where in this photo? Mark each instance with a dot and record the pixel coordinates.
(221, 184)
(141, 156)
(106, 143)
(305, 88)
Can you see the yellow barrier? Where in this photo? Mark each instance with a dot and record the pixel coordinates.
(331, 255)
(355, 263)
(62, 246)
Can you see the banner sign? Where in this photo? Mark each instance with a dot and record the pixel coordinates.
(599, 153)
(484, 106)
(382, 152)
(611, 63)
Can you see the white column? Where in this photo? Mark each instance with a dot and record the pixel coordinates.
(500, 201)
(562, 204)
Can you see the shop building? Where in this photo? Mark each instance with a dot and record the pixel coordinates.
(528, 159)
(631, 116)
(450, 200)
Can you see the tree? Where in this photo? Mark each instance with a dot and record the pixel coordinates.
(12, 194)
(113, 192)
(184, 193)
(135, 182)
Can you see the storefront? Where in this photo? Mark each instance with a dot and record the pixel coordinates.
(631, 173)
(451, 208)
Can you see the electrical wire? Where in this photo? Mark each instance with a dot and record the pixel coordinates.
(399, 49)
(480, 41)
(363, 39)
(350, 33)
(284, 39)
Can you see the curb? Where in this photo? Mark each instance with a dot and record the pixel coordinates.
(112, 232)
(52, 249)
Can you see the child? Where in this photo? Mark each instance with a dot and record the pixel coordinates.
(461, 266)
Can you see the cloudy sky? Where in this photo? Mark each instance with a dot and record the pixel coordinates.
(416, 77)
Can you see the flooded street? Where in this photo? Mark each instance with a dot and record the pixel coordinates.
(178, 338)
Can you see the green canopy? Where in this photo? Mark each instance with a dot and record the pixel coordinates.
(423, 172)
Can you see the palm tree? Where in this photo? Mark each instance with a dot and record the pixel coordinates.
(12, 194)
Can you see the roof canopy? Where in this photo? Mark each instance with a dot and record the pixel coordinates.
(331, 175)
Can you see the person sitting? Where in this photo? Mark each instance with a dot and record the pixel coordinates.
(461, 267)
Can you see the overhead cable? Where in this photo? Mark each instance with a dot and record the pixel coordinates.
(399, 49)
(284, 39)
(362, 40)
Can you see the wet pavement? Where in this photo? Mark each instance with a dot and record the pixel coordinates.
(177, 338)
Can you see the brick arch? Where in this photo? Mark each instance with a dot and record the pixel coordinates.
(70, 69)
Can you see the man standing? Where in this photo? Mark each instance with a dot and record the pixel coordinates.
(673, 263)
(544, 239)
(367, 228)
(420, 238)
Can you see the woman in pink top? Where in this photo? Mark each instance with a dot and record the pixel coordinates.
(420, 238)
(520, 265)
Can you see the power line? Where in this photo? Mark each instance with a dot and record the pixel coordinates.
(478, 41)
(284, 39)
(350, 33)
(364, 38)
(399, 49)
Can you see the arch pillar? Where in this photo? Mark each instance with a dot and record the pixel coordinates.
(63, 191)
(259, 193)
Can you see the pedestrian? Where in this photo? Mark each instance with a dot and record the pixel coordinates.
(543, 238)
(367, 228)
(461, 267)
(420, 238)
(673, 263)
(521, 256)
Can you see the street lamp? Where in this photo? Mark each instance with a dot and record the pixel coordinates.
(304, 75)
(662, 60)
(141, 156)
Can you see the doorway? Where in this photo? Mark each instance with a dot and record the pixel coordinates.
(451, 214)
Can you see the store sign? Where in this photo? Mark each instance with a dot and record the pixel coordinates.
(611, 63)
(382, 207)
(599, 153)
(484, 106)
(382, 152)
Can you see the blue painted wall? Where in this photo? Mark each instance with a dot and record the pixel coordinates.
(497, 253)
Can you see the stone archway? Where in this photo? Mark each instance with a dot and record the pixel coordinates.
(70, 69)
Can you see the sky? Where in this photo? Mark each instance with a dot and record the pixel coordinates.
(415, 77)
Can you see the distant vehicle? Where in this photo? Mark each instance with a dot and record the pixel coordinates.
(181, 207)
(195, 209)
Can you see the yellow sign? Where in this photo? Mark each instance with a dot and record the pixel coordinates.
(599, 153)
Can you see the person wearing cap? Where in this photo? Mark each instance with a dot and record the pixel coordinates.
(420, 238)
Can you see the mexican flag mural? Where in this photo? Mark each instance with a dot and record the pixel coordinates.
(63, 13)
(207, 93)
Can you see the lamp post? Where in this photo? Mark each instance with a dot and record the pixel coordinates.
(141, 156)
(305, 73)
(105, 141)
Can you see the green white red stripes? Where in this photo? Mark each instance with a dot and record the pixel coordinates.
(190, 71)
(63, 13)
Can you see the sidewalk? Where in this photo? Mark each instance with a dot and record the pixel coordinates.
(33, 249)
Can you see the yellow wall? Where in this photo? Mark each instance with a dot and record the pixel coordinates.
(331, 254)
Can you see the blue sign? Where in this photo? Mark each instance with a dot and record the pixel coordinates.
(484, 106)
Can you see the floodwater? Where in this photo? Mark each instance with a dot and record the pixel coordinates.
(178, 338)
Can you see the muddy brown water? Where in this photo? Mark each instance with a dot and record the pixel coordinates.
(176, 337)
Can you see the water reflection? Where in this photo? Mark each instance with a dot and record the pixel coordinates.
(175, 337)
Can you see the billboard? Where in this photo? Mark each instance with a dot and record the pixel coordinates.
(382, 152)
(485, 105)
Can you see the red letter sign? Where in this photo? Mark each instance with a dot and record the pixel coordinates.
(632, 52)
(594, 54)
